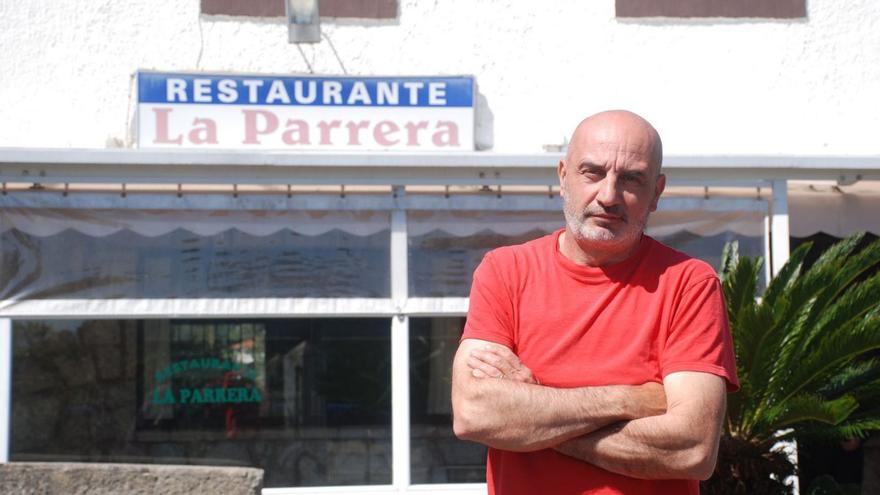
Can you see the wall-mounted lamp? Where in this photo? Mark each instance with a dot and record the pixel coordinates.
(303, 21)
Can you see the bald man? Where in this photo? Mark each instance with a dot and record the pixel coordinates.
(596, 359)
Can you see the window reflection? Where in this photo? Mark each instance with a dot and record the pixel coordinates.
(446, 246)
(437, 456)
(307, 400)
(188, 255)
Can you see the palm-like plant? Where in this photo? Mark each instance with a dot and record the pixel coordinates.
(803, 354)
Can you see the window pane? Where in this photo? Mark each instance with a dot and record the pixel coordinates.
(446, 246)
(307, 400)
(437, 456)
(94, 254)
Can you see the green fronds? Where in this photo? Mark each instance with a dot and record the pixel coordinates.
(860, 428)
(808, 407)
(740, 282)
(851, 377)
(755, 337)
(779, 355)
(846, 309)
(833, 273)
(868, 396)
(788, 274)
(800, 349)
(836, 349)
(843, 274)
(729, 258)
(818, 279)
(856, 428)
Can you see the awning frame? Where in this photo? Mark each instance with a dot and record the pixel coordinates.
(454, 168)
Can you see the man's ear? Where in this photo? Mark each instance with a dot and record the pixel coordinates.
(560, 171)
(659, 186)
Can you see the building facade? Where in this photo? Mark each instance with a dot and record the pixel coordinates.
(220, 247)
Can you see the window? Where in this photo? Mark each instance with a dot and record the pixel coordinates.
(365, 9)
(308, 400)
(446, 246)
(437, 456)
(771, 9)
(120, 253)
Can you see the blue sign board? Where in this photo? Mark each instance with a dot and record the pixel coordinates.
(306, 90)
(305, 112)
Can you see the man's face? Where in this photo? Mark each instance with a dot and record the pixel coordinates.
(609, 186)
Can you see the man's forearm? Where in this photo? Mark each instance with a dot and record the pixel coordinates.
(670, 445)
(524, 417)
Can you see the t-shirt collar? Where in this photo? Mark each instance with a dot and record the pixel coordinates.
(599, 273)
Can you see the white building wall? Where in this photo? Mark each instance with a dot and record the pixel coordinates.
(711, 86)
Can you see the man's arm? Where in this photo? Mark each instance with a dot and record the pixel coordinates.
(498, 406)
(680, 444)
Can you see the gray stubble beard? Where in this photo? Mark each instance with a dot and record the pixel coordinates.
(577, 225)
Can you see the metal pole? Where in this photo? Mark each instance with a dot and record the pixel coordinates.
(779, 225)
(5, 387)
(400, 427)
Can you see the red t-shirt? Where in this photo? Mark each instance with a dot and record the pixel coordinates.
(658, 312)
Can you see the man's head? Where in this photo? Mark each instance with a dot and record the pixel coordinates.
(611, 180)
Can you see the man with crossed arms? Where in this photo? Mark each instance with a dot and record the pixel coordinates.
(595, 359)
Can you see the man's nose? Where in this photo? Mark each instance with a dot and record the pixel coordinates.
(609, 192)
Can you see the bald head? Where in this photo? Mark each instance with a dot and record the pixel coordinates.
(619, 128)
(610, 182)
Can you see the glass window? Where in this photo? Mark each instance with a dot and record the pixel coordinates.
(307, 400)
(437, 456)
(109, 254)
(446, 246)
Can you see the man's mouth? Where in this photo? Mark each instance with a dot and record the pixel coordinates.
(608, 218)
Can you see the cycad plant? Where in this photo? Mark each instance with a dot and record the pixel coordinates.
(804, 357)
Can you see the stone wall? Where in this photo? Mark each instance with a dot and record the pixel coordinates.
(133, 479)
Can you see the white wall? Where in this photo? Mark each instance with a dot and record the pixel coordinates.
(710, 86)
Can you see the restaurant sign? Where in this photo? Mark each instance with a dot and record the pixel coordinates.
(234, 384)
(305, 112)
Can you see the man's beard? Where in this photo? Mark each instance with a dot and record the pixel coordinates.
(625, 235)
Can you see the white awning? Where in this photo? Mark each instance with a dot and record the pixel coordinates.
(837, 210)
(46, 222)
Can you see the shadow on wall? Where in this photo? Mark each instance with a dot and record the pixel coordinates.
(484, 124)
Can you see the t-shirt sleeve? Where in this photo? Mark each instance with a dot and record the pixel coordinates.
(699, 338)
(490, 312)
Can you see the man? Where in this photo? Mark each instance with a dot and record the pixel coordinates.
(569, 337)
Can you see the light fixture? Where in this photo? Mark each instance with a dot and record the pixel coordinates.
(303, 21)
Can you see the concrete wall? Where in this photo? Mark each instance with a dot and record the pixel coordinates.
(133, 479)
(806, 86)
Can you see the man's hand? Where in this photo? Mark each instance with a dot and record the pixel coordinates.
(682, 443)
(496, 361)
(517, 414)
